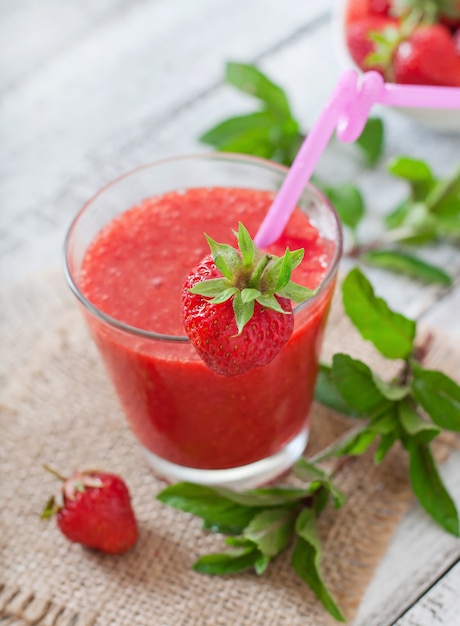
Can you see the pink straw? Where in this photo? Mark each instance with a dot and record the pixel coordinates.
(346, 112)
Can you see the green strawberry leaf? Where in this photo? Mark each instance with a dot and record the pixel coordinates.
(408, 264)
(224, 295)
(225, 257)
(248, 294)
(285, 270)
(371, 140)
(243, 311)
(211, 287)
(271, 530)
(246, 245)
(296, 293)
(391, 333)
(306, 560)
(439, 395)
(429, 488)
(270, 302)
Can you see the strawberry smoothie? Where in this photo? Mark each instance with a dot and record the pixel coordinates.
(129, 279)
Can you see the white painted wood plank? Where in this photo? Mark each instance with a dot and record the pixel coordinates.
(33, 33)
(419, 554)
(440, 606)
(140, 65)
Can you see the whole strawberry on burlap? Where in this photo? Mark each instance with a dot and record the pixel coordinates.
(237, 304)
(94, 508)
(407, 41)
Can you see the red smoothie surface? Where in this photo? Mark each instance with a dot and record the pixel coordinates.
(178, 408)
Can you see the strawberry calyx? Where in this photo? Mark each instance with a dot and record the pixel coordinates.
(249, 276)
(77, 483)
(432, 10)
(387, 41)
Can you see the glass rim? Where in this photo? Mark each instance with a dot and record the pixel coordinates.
(212, 156)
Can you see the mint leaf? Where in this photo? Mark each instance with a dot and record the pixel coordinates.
(386, 443)
(417, 173)
(429, 488)
(444, 190)
(253, 141)
(348, 202)
(261, 564)
(355, 382)
(319, 483)
(271, 530)
(250, 80)
(233, 129)
(306, 560)
(391, 333)
(358, 443)
(234, 561)
(327, 393)
(371, 140)
(408, 264)
(208, 504)
(398, 215)
(223, 529)
(414, 425)
(439, 395)
(392, 390)
(264, 497)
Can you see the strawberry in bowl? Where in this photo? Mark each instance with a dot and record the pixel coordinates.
(409, 42)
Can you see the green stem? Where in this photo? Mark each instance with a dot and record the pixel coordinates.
(450, 185)
(386, 239)
(55, 473)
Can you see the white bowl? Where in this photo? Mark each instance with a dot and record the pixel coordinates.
(446, 120)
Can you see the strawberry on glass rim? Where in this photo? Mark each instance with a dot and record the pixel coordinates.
(237, 304)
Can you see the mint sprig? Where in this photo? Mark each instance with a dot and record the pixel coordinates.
(272, 131)
(430, 212)
(275, 518)
(413, 408)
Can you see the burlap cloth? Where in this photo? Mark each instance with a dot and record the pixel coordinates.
(57, 407)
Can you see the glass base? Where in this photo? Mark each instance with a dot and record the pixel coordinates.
(238, 478)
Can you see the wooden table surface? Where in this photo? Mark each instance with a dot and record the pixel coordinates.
(91, 89)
